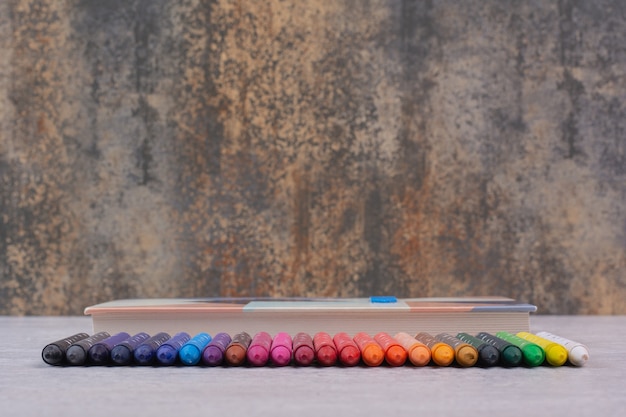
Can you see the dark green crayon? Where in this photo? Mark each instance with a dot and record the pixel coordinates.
(532, 354)
(487, 355)
(77, 353)
(510, 355)
(54, 353)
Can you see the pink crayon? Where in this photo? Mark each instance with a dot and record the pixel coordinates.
(303, 351)
(259, 349)
(281, 349)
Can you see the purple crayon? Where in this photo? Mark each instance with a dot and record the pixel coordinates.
(282, 347)
(213, 354)
(259, 350)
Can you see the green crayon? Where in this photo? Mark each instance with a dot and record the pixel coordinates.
(532, 353)
(487, 355)
(510, 355)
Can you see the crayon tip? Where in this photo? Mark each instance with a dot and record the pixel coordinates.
(419, 356)
(489, 355)
(511, 355)
(578, 356)
(281, 356)
(326, 356)
(350, 356)
(189, 355)
(52, 354)
(396, 356)
(304, 355)
(373, 355)
(443, 355)
(556, 355)
(467, 356)
(533, 355)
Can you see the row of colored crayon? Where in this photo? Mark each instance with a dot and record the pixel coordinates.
(482, 349)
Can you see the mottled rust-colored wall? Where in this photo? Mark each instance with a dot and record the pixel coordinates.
(331, 148)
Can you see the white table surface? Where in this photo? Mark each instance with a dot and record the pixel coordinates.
(28, 386)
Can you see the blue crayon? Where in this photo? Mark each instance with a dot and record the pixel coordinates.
(122, 354)
(100, 352)
(167, 353)
(191, 352)
(213, 354)
(145, 353)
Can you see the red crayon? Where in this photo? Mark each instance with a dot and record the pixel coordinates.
(259, 350)
(349, 353)
(325, 351)
(303, 350)
(395, 354)
(281, 349)
(371, 352)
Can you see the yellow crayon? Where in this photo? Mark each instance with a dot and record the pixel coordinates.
(556, 355)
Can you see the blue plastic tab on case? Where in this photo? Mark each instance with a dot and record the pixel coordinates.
(383, 299)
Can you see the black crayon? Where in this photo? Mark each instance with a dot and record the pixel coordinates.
(99, 353)
(122, 353)
(54, 353)
(77, 353)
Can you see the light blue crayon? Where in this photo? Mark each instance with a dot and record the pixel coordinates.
(191, 352)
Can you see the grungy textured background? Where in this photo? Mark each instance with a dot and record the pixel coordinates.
(312, 148)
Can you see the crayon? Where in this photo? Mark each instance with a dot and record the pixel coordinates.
(236, 351)
(395, 354)
(191, 352)
(122, 353)
(325, 351)
(259, 350)
(54, 353)
(349, 353)
(578, 354)
(532, 353)
(510, 355)
(303, 350)
(465, 354)
(487, 355)
(556, 355)
(371, 352)
(100, 352)
(77, 353)
(441, 353)
(213, 354)
(419, 353)
(167, 353)
(281, 349)
(144, 354)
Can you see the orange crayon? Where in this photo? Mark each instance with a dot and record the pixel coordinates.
(371, 352)
(419, 353)
(349, 354)
(441, 353)
(395, 354)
